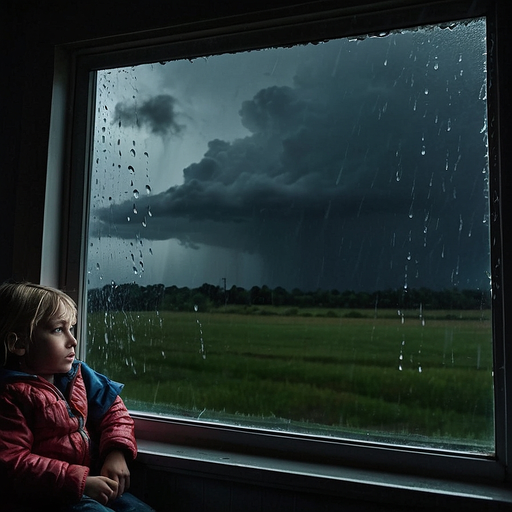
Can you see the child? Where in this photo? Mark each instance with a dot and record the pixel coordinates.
(65, 434)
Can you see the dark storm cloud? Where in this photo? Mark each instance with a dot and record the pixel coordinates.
(157, 113)
(365, 174)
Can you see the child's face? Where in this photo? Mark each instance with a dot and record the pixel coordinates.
(53, 346)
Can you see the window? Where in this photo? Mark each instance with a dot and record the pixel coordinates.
(296, 238)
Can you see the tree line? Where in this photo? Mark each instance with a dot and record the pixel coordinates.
(133, 297)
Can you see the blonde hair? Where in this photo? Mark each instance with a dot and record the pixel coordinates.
(24, 305)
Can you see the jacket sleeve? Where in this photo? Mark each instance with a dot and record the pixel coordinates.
(45, 477)
(117, 431)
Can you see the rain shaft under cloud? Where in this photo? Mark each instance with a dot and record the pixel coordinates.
(367, 172)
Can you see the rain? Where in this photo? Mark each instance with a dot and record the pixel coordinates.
(359, 165)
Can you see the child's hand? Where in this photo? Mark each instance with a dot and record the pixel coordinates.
(101, 489)
(115, 467)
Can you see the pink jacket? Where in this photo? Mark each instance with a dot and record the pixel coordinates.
(50, 438)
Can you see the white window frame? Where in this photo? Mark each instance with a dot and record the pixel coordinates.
(80, 61)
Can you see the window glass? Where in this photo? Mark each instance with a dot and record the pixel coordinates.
(298, 238)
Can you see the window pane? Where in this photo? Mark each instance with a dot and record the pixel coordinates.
(298, 238)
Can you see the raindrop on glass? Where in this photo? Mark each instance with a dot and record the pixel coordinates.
(483, 93)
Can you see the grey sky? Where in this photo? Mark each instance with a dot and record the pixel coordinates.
(348, 165)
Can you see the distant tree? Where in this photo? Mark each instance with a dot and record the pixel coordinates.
(238, 295)
(280, 297)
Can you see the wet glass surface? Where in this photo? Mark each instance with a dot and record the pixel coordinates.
(298, 238)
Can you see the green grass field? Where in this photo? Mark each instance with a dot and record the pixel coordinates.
(346, 373)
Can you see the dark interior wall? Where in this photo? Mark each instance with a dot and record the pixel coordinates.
(184, 492)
